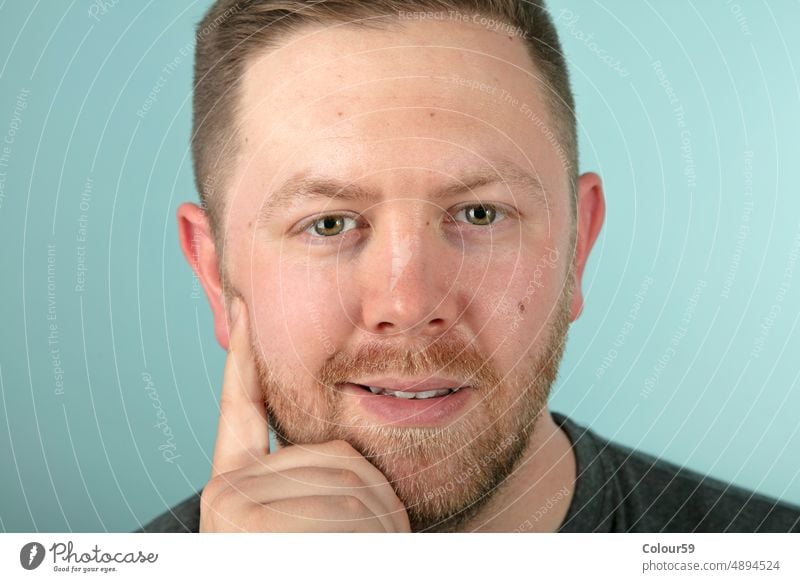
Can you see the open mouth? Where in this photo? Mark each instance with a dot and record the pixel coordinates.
(406, 405)
(408, 395)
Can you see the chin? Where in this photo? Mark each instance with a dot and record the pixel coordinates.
(445, 475)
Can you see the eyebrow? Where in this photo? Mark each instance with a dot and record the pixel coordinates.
(306, 186)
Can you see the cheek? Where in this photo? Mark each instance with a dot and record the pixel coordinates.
(517, 302)
(298, 312)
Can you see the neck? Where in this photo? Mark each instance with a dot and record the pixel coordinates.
(537, 494)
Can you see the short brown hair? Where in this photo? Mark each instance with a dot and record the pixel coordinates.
(232, 31)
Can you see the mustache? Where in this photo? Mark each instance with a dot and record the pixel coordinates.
(451, 357)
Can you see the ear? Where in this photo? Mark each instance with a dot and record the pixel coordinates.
(591, 212)
(197, 243)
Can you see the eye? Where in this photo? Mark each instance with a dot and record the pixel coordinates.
(328, 226)
(480, 214)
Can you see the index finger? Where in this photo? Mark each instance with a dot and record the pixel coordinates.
(242, 433)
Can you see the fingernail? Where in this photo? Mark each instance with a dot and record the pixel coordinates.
(235, 310)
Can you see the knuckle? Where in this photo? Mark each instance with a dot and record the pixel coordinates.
(342, 447)
(225, 498)
(223, 481)
(353, 506)
(212, 490)
(247, 482)
(348, 478)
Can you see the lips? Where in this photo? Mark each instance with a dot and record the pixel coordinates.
(410, 406)
(411, 394)
(411, 388)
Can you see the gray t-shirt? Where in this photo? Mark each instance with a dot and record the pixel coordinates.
(618, 490)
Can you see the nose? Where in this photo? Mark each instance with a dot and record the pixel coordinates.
(408, 280)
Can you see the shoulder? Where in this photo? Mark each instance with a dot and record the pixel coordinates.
(624, 490)
(657, 495)
(181, 518)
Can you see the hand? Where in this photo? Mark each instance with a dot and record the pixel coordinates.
(302, 488)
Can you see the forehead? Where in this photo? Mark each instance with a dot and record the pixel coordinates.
(431, 94)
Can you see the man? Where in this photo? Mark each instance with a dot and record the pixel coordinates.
(392, 240)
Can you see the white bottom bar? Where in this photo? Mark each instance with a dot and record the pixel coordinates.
(421, 557)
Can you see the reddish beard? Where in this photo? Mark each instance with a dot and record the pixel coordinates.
(443, 475)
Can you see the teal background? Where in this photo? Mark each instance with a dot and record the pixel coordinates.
(717, 392)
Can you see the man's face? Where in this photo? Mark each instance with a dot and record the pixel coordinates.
(439, 257)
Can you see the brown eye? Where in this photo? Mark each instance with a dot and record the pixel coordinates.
(329, 226)
(479, 214)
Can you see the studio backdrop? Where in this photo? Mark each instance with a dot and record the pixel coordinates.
(109, 370)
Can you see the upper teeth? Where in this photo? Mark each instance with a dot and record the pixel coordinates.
(410, 395)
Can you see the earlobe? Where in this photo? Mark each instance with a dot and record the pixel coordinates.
(197, 244)
(590, 215)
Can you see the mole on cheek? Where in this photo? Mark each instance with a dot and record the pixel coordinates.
(521, 308)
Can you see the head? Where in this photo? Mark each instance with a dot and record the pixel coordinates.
(391, 188)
